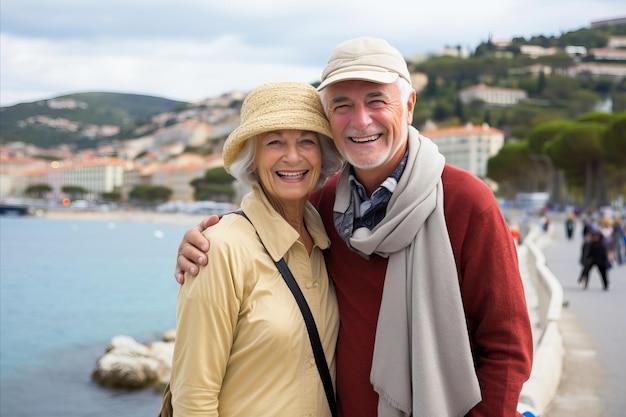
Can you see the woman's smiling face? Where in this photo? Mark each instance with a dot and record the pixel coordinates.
(288, 164)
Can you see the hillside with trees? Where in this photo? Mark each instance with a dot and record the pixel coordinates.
(553, 96)
(78, 118)
(567, 137)
(556, 140)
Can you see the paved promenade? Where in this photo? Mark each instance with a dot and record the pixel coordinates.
(593, 327)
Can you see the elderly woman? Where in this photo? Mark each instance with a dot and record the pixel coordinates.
(242, 347)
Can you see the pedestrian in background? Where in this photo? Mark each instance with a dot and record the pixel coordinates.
(594, 253)
(589, 225)
(569, 226)
(619, 240)
(606, 228)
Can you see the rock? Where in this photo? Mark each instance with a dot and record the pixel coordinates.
(164, 353)
(127, 342)
(129, 364)
(169, 336)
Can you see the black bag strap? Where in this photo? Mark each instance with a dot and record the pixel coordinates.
(318, 351)
(316, 344)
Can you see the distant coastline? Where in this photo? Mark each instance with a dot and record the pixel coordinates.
(137, 216)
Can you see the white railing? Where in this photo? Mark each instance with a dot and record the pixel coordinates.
(545, 376)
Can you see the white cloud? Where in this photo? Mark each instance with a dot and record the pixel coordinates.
(195, 49)
(35, 69)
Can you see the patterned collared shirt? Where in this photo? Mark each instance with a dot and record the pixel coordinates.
(372, 210)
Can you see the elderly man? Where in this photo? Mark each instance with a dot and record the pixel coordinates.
(433, 315)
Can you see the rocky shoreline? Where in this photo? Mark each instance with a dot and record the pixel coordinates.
(125, 362)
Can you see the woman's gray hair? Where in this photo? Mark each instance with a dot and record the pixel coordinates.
(241, 168)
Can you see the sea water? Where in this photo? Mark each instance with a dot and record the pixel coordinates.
(66, 288)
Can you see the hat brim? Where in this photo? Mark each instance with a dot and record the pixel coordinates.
(268, 123)
(378, 77)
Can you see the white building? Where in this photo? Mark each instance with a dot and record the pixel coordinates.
(616, 42)
(468, 147)
(97, 176)
(456, 52)
(608, 54)
(599, 70)
(11, 169)
(492, 96)
(576, 51)
(535, 51)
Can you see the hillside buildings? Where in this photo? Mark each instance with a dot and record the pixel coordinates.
(158, 152)
(10, 166)
(98, 176)
(468, 147)
(106, 175)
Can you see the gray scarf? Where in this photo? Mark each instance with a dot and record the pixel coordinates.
(422, 364)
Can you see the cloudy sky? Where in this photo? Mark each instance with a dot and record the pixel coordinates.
(194, 49)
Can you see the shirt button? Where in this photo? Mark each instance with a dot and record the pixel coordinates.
(311, 363)
(309, 285)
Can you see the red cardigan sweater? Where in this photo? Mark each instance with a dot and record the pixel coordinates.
(491, 287)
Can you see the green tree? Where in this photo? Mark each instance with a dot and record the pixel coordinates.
(431, 87)
(459, 111)
(559, 88)
(558, 62)
(75, 192)
(582, 101)
(510, 167)
(421, 114)
(216, 185)
(537, 138)
(615, 138)
(112, 196)
(487, 117)
(545, 132)
(150, 194)
(619, 101)
(615, 147)
(580, 148)
(596, 117)
(589, 38)
(541, 82)
(521, 118)
(38, 190)
(443, 110)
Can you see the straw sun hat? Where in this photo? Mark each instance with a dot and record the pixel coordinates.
(276, 106)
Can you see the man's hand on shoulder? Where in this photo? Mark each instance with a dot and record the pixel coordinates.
(192, 250)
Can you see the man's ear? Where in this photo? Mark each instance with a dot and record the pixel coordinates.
(410, 105)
